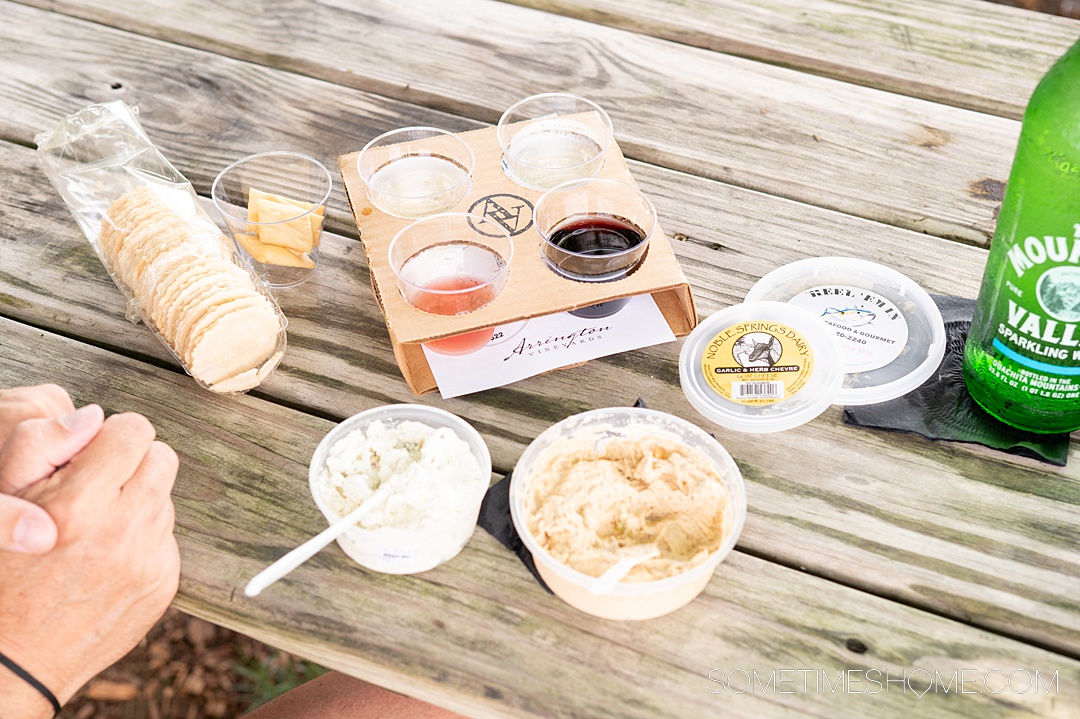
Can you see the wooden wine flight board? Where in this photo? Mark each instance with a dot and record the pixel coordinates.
(532, 289)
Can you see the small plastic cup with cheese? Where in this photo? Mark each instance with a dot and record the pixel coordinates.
(274, 204)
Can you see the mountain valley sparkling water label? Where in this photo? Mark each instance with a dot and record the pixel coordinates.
(757, 362)
(871, 329)
(1036, 317)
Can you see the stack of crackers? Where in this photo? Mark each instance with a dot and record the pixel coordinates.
(180, 270)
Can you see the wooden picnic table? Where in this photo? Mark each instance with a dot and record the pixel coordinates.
(766, 131)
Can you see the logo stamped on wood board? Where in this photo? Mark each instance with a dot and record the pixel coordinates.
(512, 212)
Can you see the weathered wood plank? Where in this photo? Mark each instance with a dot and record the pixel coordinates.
(478, 635)
(845, 147)
(966, 53)
(998, 550)
(202, 110)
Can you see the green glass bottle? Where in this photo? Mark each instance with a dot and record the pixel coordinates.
(1022, 357)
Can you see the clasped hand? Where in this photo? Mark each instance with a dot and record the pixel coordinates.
(88, 560)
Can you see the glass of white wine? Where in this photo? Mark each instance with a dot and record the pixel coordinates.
(415, 172)
(552, 138)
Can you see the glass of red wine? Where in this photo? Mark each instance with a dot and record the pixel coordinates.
(594, 230)
(452, 264)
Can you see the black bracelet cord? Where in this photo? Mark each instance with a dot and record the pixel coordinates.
(29, 679)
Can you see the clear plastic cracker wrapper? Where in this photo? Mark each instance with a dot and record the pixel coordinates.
(181, 276)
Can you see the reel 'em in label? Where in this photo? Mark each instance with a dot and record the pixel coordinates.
(871, 329)
(757, 363)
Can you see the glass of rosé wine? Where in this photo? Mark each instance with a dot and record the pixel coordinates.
(452, 264)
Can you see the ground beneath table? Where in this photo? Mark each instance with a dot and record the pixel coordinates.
(187, 668)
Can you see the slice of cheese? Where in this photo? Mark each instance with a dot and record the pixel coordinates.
(272, 254)
(256, 195)
(276, 226)
(315, 218)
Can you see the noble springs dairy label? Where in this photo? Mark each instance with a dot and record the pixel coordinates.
(757, 363)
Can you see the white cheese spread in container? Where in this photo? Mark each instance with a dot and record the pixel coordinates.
(436, 470)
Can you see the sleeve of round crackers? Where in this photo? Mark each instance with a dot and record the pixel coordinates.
(180, 271)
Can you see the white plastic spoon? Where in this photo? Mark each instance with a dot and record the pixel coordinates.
(606, 582)
(311, 547)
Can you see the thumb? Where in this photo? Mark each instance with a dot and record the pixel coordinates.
(25, 527)
(38, 447)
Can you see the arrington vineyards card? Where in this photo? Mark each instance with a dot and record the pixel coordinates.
(528, 348)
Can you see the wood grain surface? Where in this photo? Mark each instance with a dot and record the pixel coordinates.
(478, 634)
(965, 53)
(930, 555)
(854, 149)
(806, 512)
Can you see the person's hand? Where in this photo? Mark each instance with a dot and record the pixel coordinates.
(67, 614)
(18, 404)
(45, 431)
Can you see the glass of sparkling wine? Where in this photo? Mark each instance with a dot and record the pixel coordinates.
(414, 172)
(594, 230)
(452, 264)
(552, 138)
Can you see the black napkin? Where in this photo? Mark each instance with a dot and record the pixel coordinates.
(495, 519)
(941, 407)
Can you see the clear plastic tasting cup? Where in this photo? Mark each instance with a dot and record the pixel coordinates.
(398, 550)
(554, 137)
(628, 600)
(274, 204)
(415, 172)
(594, 230)
(452, 264)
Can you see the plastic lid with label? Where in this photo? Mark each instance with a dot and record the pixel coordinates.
(891, 333)
(761, 367)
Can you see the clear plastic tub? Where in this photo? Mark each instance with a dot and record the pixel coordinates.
(396, 550)
(628, 600)
(891, 333)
